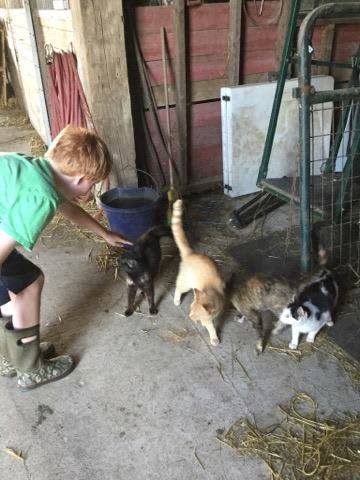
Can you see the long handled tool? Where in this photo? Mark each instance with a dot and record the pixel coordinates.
(172, 194)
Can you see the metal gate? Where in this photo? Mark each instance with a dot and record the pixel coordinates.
(334, 194)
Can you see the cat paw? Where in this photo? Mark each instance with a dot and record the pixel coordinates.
(214, 341)
(128, 312)
(240, 318)
(259, 346)
(293, 346)
(153, 311)
(330, 324)
(278, 329)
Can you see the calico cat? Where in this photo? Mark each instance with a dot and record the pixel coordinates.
(256, 295)
(199, 273)
(141, 264)
(311, 309)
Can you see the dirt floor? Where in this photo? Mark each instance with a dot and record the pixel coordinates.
(150, 398)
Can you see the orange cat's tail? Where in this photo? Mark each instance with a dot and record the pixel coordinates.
(178, 231)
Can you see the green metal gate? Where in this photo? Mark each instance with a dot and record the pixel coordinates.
(328, 185)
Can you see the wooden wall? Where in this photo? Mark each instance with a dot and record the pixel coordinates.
(57, 30)
(208, 32)
(99, 48)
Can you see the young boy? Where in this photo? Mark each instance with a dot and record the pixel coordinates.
(31, 191)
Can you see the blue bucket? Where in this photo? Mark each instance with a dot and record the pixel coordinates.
(130, 211)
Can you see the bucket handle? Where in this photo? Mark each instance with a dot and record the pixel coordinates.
(152, 178)
(99, 192)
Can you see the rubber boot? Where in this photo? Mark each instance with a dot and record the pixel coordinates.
(33, 370)
(6, 368)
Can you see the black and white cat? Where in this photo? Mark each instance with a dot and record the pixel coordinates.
(311, 309)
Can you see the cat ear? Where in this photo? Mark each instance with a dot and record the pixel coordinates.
(131, 263)
(301, 312)
(197, 294)
(209, 308)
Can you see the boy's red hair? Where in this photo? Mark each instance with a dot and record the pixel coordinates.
(77, 151)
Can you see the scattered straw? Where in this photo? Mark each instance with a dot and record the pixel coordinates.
(301, 446)
(37, 146)
(178, 335)
(14, 454)
(325, 345)
(62, 229)
(241, 366)
(107, 259)
(198, 459)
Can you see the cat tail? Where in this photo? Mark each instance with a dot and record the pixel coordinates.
(178, 230)
(318, 247)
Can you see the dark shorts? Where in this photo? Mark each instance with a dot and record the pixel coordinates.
(16, 273)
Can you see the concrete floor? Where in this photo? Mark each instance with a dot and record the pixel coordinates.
(149, 394)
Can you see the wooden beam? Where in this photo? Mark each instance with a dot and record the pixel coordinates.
(235, 24)
(99, 41)
(181, 88)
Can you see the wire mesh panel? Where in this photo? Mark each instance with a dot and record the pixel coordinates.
(335, 190)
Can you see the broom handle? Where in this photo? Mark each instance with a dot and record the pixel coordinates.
(163, 50)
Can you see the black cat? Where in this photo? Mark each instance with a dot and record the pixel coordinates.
(141, 264)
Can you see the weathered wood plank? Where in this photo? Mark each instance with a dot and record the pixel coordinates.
(149, 20)
(181, 88)
(201, 42)
(234, 40)
(204, 67)
(200, 91)
(100, 47)
(325, 49)
(205, 147)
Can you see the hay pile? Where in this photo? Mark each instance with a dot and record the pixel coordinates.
(302, 446)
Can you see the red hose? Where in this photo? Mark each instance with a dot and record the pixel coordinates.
(67, 98)
(68, 102)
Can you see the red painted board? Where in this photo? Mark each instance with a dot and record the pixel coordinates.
(200, 43)
(204, 67)
(207, 17)
(204, 140)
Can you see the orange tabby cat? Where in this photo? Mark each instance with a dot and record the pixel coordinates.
(198, 272)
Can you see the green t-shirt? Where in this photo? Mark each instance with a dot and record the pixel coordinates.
(28, 197)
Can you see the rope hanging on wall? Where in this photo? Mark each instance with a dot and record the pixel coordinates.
(68, 102)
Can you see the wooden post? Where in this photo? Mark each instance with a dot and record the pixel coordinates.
(181, 88)
(45, 134)
(235, 24)
(40, 46)
(3, 94)
(325, 50)
(99, 43)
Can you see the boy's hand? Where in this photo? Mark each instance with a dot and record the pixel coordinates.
(115, 239)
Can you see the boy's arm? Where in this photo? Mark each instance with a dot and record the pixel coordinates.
(7, 245)
(78, 215)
